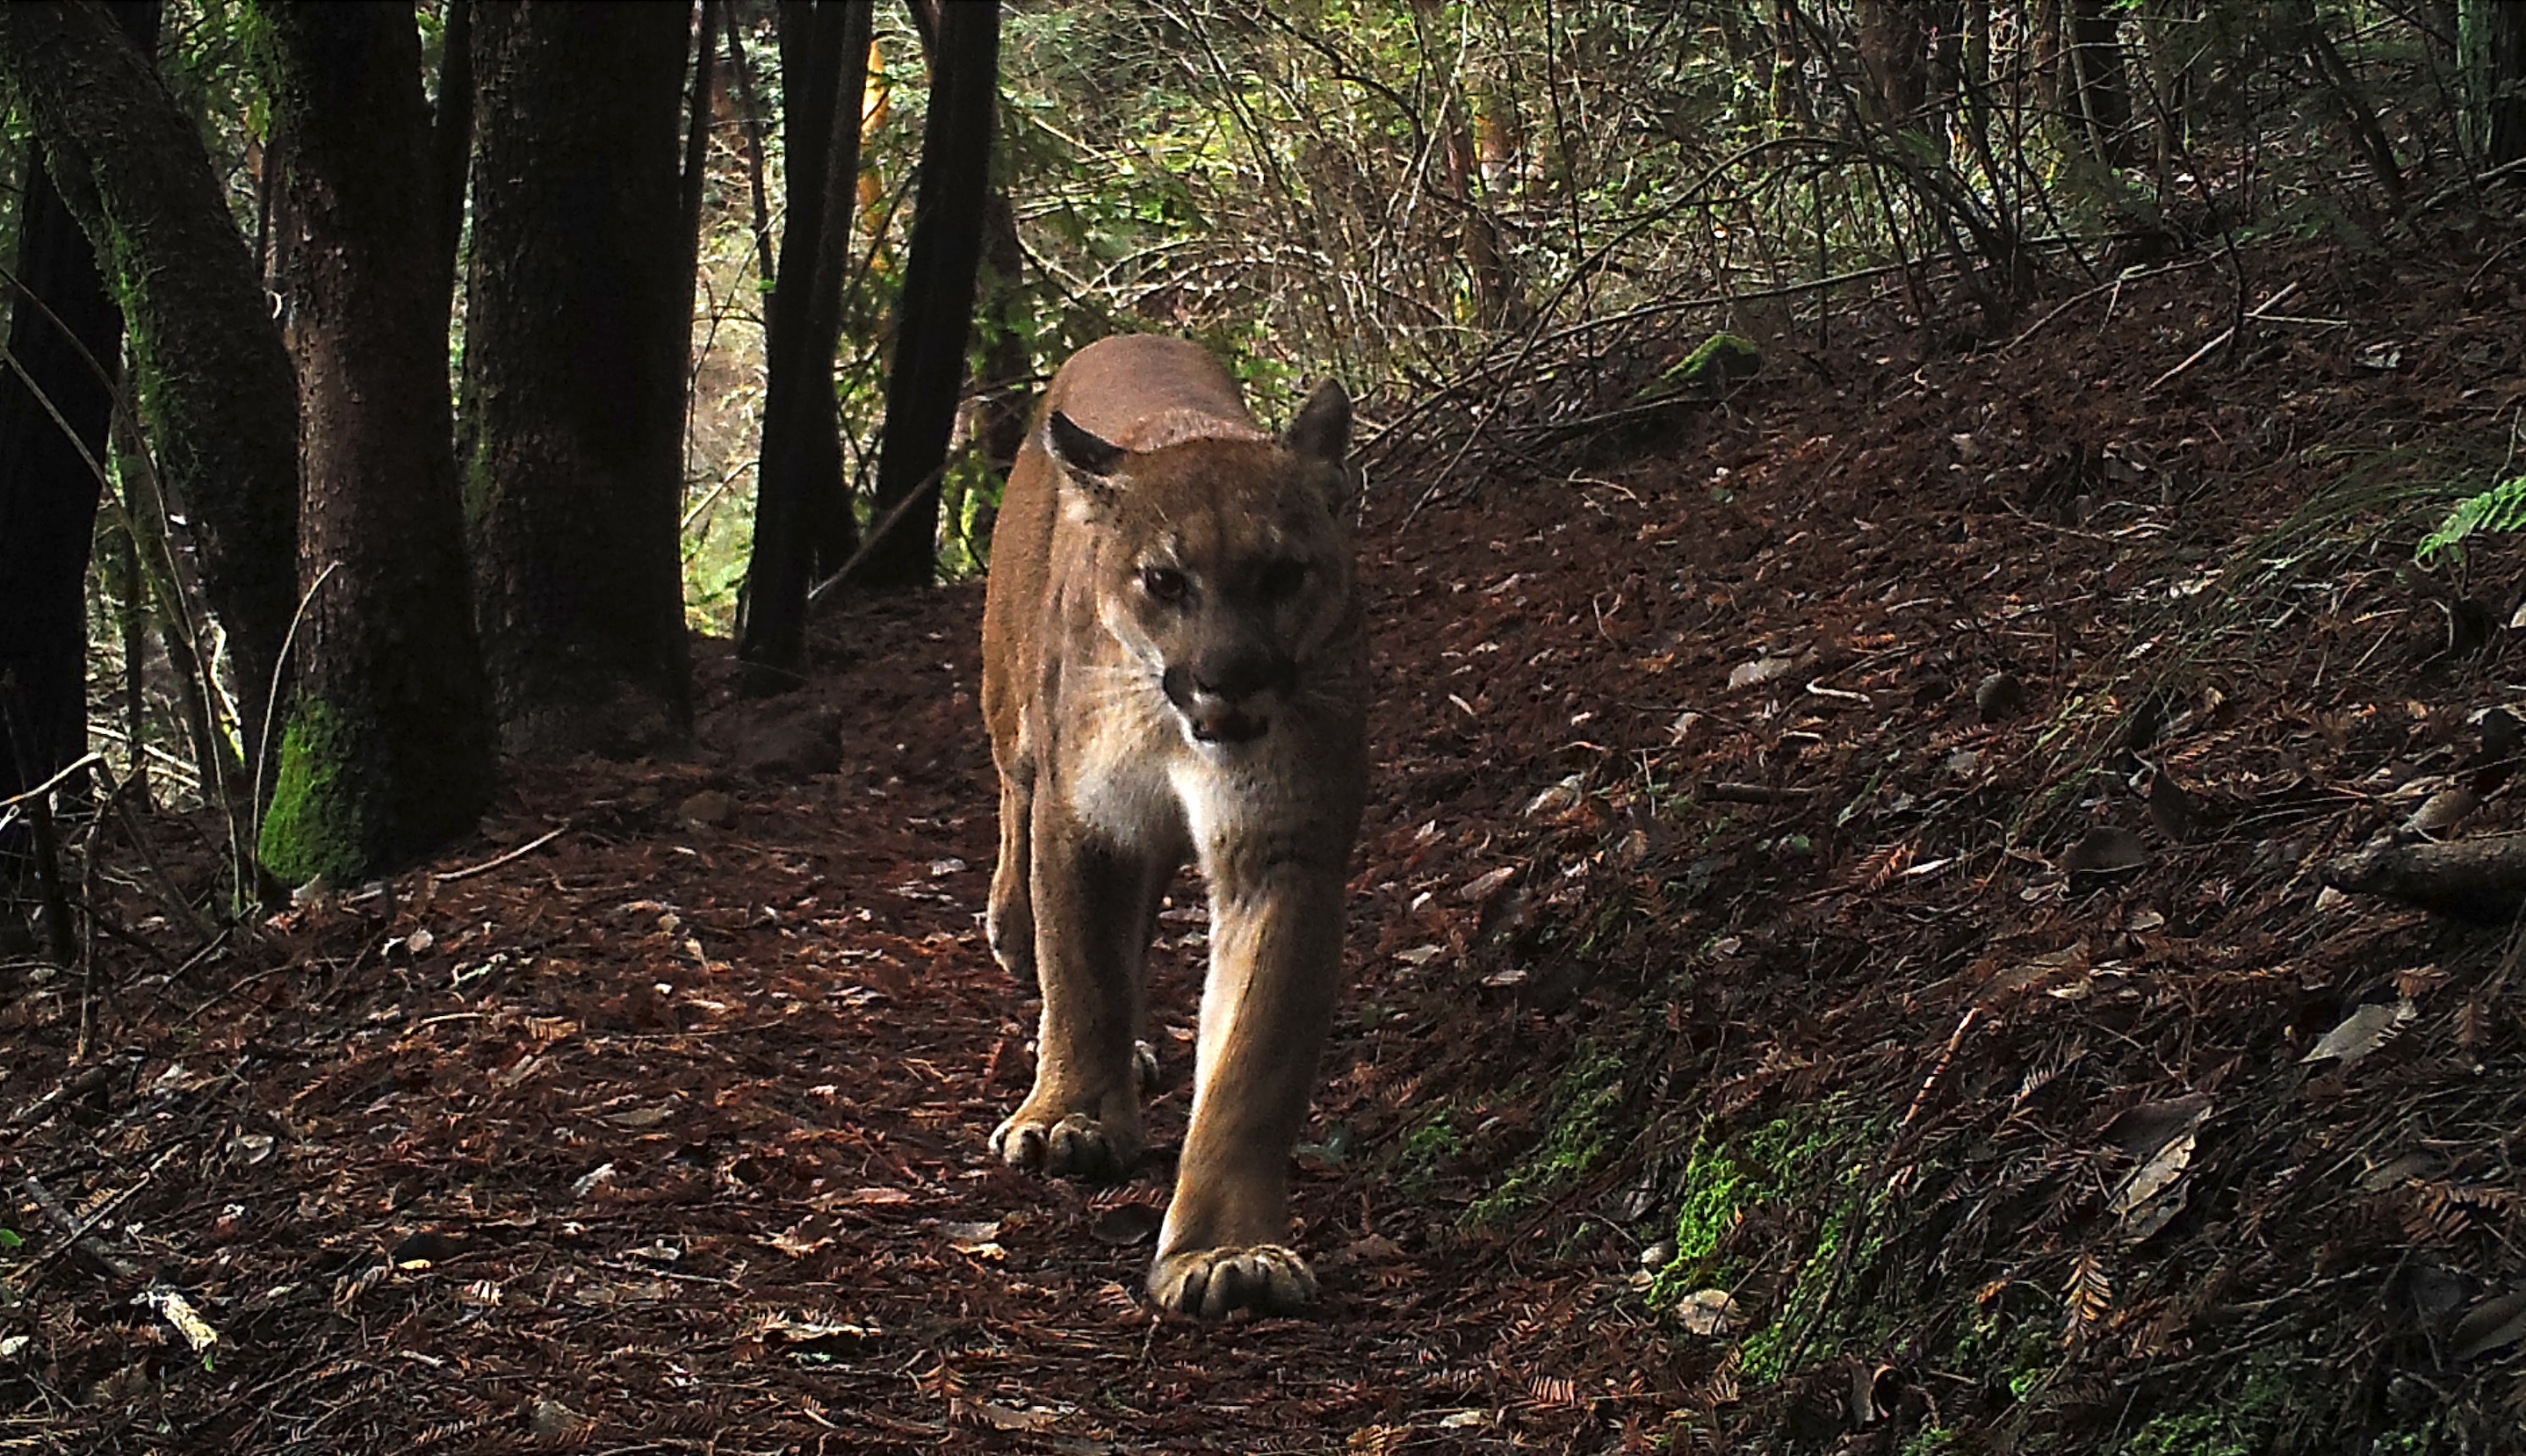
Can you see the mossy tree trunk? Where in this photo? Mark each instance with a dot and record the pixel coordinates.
(387, 750)
(52, 440)
(572, 419)
(803, 526)
(923, 389)
(215, 394)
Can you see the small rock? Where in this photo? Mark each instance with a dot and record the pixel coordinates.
(1999, 697)
(711, 809)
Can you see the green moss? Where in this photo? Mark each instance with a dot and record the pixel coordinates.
(1579, 1129)
(1852, 1235)
(1722, 1180)
(1428, 1147)
(481, 485)
(1814, 1157)
(1721, 358)
(323, 818)
(2193, 1434)
(2239, 1422)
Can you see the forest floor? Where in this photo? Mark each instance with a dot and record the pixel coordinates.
(1837, 964)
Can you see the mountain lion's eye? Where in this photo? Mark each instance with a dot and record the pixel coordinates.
(1163, 583)
(1282, 580)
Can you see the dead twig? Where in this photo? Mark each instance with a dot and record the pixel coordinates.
(2477, 880)
(2220, 339)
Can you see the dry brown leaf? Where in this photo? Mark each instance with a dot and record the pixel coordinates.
(2362, 1031)
(2106, 849)
(2090, 1293)
(1125, 1224)
(997, 1417)
(1707, 1312)
(2494, 1324)
(1760, 671)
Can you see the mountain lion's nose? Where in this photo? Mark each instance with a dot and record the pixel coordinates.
(1211, 697)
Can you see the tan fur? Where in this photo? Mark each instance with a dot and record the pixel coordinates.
(1097, 688)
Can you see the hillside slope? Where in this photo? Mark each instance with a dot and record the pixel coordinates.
(1838, 954)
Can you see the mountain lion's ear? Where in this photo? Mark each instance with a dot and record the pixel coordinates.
(1322, 429)
(1078, 451)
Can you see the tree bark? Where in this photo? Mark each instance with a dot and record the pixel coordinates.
(387, 750)
(62, 330)
(214, 387)
(2104, 89)
(803, 524)
(2503, 27)
(927, 377)
(574, 374)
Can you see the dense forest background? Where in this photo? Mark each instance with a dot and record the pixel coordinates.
(497, 487)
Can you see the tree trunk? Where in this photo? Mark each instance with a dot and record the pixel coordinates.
(2503, 27)
(63, 329)
(803, 525)
(574, 375)
(2103, 90)
(1895, 49)
(214, 387)
(387, 750)
(1007, 367)
(927, 377)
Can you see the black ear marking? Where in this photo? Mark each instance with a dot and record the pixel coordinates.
(1320, 431)
(1078, 450)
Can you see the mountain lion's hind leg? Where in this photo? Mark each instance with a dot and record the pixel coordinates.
(1010, 919)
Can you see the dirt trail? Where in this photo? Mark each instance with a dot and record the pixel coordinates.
(1736, 775)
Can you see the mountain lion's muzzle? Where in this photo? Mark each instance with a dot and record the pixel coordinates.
(1222, 698)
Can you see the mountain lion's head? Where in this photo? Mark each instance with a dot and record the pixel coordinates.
(1222, 565)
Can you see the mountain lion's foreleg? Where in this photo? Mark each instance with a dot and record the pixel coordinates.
(1092, 903)
(1276, 956)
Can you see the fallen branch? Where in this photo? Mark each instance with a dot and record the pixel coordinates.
(2259, 314)
(2476, 879)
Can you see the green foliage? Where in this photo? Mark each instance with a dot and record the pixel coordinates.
(1579, 1127)
(1811, 1158)
(2500, 508)
(1427, 1148)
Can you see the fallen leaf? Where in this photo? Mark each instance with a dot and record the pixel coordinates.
(1005, 1416)
(801, 1238)
(2170, 809)
(2104, 850)
(1125, 1224)
(1762, 670)
(2151, 1178)
(1707, 1312)
(2362, 1031)
(865, 1198)
(2492, 1325)
(1484, 887)
(1556, 799)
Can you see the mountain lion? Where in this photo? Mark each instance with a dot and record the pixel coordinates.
(1174, 667)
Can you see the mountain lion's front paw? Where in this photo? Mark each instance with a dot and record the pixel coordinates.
(1074, 1146)
(1265, 1278)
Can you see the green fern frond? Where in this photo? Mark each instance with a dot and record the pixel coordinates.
(2500, 508)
